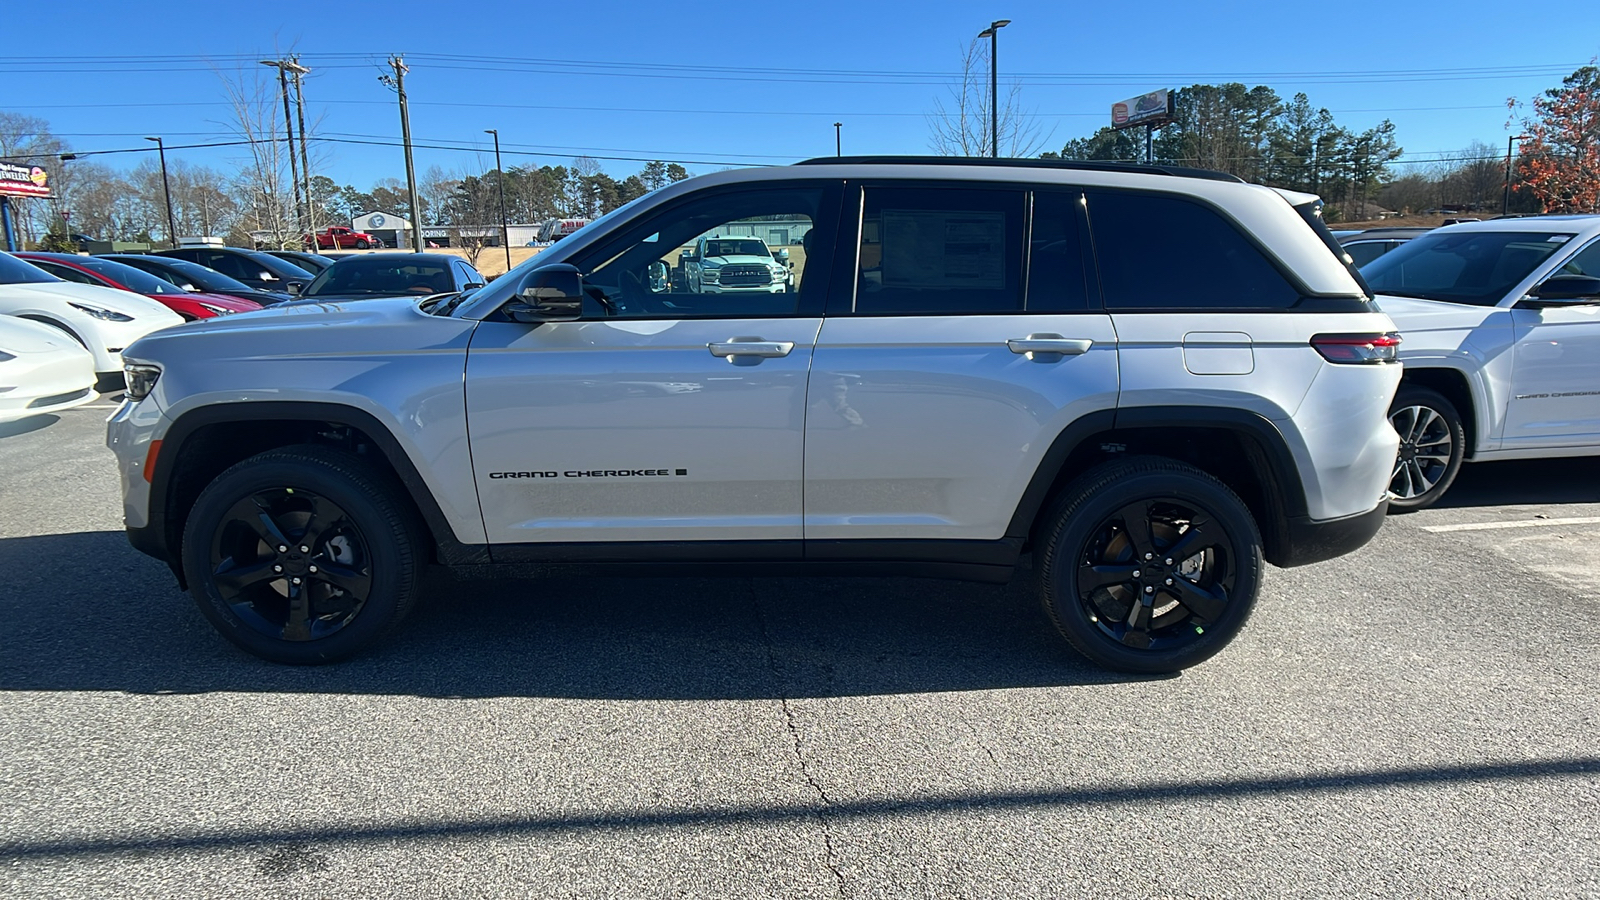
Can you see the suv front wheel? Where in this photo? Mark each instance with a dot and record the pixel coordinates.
(1149, 565)
(300, 555)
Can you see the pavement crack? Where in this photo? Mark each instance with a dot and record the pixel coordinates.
(830, 857)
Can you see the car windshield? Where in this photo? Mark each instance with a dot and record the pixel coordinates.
(736, 248)
(1476, 267)
(15, 271)
(136, 280)
(381, 274)
(181, 272)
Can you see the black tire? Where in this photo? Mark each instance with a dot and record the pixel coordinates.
(1425, 468)
(358, 573)
(362, 245)
(1132, 613)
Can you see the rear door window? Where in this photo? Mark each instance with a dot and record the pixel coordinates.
(1056, 280)
(1157, 251)
(940, 251)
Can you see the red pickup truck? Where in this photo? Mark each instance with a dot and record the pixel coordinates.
(339, 237)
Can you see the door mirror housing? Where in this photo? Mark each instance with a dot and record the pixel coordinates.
(783, 254)
(293, 288)
(1565, 290)
(553, 293)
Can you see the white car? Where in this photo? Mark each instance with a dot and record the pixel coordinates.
(41, 370)
(101, 319)
(1502, 346)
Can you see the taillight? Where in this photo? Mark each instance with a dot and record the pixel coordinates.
(1358, 349)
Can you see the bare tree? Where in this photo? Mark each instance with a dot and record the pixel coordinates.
(960, 125)
(263, 183)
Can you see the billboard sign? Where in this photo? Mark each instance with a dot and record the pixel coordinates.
(23, 181)
(1153, 109)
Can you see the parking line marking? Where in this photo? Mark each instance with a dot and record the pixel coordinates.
(1522, 523)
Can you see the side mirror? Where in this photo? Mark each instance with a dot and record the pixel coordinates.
(471, 284)
(550, 294)
(294, 288)
(1564, 290)
(783, 254)
(660, 278)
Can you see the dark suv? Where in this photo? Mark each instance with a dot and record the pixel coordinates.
(254, 268)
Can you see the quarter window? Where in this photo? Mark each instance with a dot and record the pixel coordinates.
(1162, 252)
(940, 251)
(1586, 262)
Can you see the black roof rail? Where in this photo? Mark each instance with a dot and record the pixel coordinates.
(1010, 162)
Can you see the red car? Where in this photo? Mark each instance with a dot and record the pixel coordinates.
(107, 273)
(343, 238)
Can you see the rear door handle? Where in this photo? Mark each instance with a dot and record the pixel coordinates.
(1050, 343)
(742, 346)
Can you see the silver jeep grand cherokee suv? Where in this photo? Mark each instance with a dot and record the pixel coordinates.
(1151, 380)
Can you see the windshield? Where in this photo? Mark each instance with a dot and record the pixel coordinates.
(136, 280)
(381, 274)
(736, 248)
(15, 271)
(181, 272)
(1476, 267)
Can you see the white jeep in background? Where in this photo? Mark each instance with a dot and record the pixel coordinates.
(1149, 381)
(1502, 346)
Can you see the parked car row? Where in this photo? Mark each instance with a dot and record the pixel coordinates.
(95, 306)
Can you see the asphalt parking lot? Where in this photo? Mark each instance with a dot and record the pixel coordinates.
(1419, 719)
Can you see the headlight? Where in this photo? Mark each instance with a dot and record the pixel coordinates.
(217, 310)
(100, 313)
(141, 379)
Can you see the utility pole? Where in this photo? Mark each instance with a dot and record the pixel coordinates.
(838, 142)
(305, 156)
(282, 65)
(500, 183)
(1505, 199)
(398, 83)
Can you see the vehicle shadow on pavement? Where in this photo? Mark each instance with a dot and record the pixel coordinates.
(84, 611)
(1524, 482)
(25, 425)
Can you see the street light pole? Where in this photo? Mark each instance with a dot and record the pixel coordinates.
(838, 142)
(1505, 198)
(993, 34)
(166, 189)
(500, 183)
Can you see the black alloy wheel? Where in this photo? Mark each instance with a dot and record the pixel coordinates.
(1432, 446)
(291, 565)
(1152, 565)
(303, 555)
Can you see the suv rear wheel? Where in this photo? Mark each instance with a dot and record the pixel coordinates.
(1149, 565)
(1432, 442)
(301, 555)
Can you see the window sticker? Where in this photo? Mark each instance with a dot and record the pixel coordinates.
(943, 249)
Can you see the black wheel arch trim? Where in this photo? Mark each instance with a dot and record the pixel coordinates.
(1275, 448)
(160, 538)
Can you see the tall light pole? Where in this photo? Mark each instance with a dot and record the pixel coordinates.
(1505, 199)
(166, 189)
(282, 65)
(500, 183)
(838, 144)
(398, 83)
(993, 34)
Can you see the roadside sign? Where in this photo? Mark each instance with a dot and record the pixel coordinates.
(23, 181)
(1153, 110)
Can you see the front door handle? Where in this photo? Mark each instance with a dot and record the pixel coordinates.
(1050, 343)
(747, 346)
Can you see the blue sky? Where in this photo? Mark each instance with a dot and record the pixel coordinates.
(630, 79)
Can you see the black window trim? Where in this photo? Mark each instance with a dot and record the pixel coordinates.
(1310, 301)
